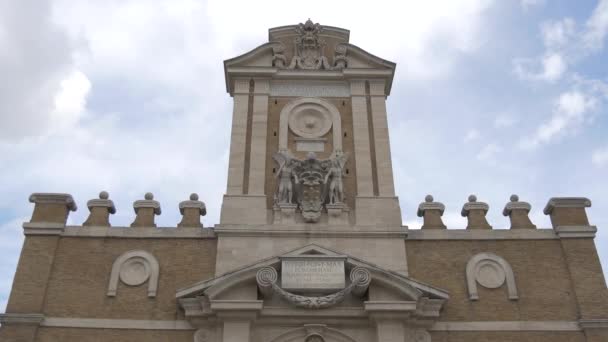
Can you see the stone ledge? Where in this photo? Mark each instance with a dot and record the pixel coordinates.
(507, 326)
(21, 318)
(568, 232)
(566, 202)
(600, 323)
(43, 228)
(311, 230)
(138, 232)
(106, 323)
(495, 234)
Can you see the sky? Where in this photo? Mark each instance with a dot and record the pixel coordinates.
(491, 98)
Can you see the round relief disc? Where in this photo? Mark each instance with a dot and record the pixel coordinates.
(490, 275)
(310, 120)
(134, 272)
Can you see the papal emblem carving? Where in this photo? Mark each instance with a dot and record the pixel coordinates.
(310, 183)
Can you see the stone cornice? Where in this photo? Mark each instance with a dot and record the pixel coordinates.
(474, 206)
(566, 202)
(53, 198)
(105, 203)
(43, 228)
(516, 206)
(494, 234)
(147, 204)
(430, 206)
(566, 232)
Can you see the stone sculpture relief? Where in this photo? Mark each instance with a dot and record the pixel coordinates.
(309, 51)
(490, 271)
(310, 183)
(267, 277)
(134, 268)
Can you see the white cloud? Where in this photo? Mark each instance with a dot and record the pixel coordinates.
(570, 111)
(488, 152)
(600, 157)
(471, 135)
(529, 4)
(597, 27)
(505, 121)
(35, 58)
(557, 34)
(70, 102)
(548, 68)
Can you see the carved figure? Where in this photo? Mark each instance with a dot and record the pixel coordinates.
(278, 56)
(286, 176)
(335, 174)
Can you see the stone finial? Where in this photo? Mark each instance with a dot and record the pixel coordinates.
(431, 212)
(100, 211)
(145, 210)
(518, 213)
(192, 210)
(568, 211)
(476, 212)
(51, 207)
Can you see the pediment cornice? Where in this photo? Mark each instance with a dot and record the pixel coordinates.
(416, 298)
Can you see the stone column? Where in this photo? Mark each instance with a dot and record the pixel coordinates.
(384, 167)
(100, 211)
(259, 128)
(475, 212)
(192, 211)
(236, 162)
(431, 212)
(518, 213)
(26, 302)
(570, 222)
(145, 210)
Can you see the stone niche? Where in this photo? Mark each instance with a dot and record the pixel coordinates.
(309, 122)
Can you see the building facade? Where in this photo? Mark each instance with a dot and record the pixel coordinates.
(310, 246)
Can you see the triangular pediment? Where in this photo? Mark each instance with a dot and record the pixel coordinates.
(410, 287)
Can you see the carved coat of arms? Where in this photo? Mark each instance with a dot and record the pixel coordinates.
(309, 183)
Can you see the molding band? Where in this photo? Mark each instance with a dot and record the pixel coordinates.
(507, 326)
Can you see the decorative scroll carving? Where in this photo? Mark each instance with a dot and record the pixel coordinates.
(266, 278)
(310, 183)
(491, 271)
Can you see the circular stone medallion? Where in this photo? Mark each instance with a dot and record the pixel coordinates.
(134, 271)
(490, 275)
(310, 120)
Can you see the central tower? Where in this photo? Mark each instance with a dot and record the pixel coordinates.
(309, 150)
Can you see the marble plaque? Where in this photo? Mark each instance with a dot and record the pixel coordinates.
(312, 274)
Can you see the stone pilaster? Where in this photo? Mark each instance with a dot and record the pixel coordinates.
(192, 211)
(145, 210)
(100, 210)
(236, 162)
(361, 139)
(26, 302)
(518, 213)
(570, 222)
(259, 127)
(431, 212)
(475, 212)
(382, 149)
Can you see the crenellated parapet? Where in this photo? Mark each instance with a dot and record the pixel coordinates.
(51, 212)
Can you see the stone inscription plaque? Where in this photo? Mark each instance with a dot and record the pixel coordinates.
(312, 274)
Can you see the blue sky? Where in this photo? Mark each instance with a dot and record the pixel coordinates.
(490, 97)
